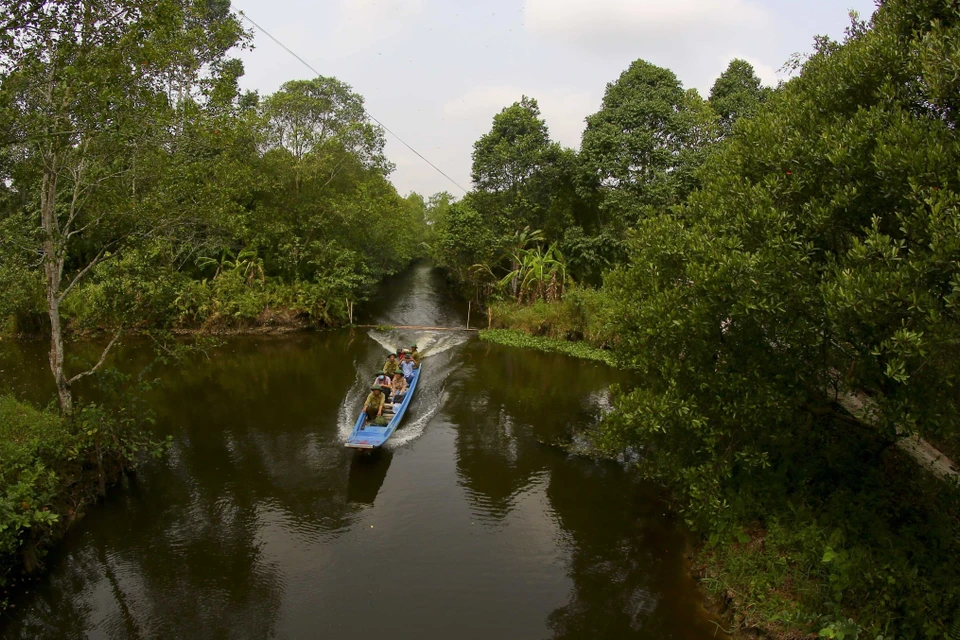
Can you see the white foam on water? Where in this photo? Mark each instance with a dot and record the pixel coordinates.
(430, 343)
(386, 340)
(436, 342)
(349, 408)
(414, 429)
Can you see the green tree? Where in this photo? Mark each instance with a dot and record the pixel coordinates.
(437, 208)
(322, 115)
(89, 90)
(737, 93)
(635, 148)
(517, 171)
(461, 241)
(818, 260)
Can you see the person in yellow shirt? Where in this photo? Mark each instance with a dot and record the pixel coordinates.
(399, 388)
(373, 407)
(416, 355)
(391, 366)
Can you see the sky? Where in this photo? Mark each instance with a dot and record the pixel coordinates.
(435, 72)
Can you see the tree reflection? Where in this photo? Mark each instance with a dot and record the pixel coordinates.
(257, 464)
(626, 559)
(367, 473)
(505, 406)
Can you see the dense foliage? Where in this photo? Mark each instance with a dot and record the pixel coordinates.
(770, 259)
(819, 260)
(140, 188)
(820, 256)
(533, 198)
(52, 468)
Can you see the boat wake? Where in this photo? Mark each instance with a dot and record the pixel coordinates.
(350, 407)
(415, 427)
(430, 343)
(430, 395)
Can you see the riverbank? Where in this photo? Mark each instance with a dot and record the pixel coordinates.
(868, 546)
(225, 304)
(51, 471)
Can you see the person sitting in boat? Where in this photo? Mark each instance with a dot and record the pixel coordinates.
(384, 382)
(392, 365)
(399, 388)
(415, 355)
(373, 407)
(407, 367)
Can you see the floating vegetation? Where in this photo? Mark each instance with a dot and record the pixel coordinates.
(517, 338)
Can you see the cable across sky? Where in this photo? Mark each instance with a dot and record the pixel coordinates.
(366, 111)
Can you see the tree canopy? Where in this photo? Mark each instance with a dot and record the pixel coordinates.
(158, 195)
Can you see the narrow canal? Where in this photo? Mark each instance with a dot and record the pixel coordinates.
(260, 524)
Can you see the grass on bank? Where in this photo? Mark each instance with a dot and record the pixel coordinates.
(580, 316)
(573, 326)
(51, 469)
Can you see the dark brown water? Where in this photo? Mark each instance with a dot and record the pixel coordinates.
(260, 524)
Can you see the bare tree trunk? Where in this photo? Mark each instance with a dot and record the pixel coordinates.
(53, 272)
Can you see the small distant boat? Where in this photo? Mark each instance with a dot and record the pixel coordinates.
(371, 436)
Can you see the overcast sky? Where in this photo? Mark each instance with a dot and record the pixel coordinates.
(436, 71)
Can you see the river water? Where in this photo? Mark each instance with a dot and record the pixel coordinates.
(261, 524)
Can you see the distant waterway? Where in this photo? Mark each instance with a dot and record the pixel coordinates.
(261, 524)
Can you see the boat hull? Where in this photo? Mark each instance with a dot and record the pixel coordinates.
(372, 436)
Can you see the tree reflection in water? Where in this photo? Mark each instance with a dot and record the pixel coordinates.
(625, 557)
(262, 524)
(178, 553)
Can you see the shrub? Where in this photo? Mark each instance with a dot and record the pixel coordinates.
(580, 315)
(51, 468)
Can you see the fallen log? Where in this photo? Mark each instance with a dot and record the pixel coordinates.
(925, 454)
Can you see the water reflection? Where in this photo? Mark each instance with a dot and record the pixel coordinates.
(507, 404)
(367, 473)
(627, 567)
(261, 524)
(626, 562)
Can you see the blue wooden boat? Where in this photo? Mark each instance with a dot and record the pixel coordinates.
(372, 436)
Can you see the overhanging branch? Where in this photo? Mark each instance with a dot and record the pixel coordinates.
(103, 357)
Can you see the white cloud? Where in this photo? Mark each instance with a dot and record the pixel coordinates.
(627, 25)
(364, 22)
(563, 110)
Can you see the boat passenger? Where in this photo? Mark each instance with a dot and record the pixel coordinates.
(392, 365)
(384, 382)
(399, 387)
(407, 366)
(416, 355)
(373, 407)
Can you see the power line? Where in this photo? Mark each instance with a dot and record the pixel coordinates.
(367, 112)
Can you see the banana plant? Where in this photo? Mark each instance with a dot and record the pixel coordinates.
(539, 275)
(246, 263)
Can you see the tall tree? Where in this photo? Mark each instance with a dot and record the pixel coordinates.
(635, 148)
(517, 170)
(87, 90)
(324, 115)
(819, 259)
(737, 93)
